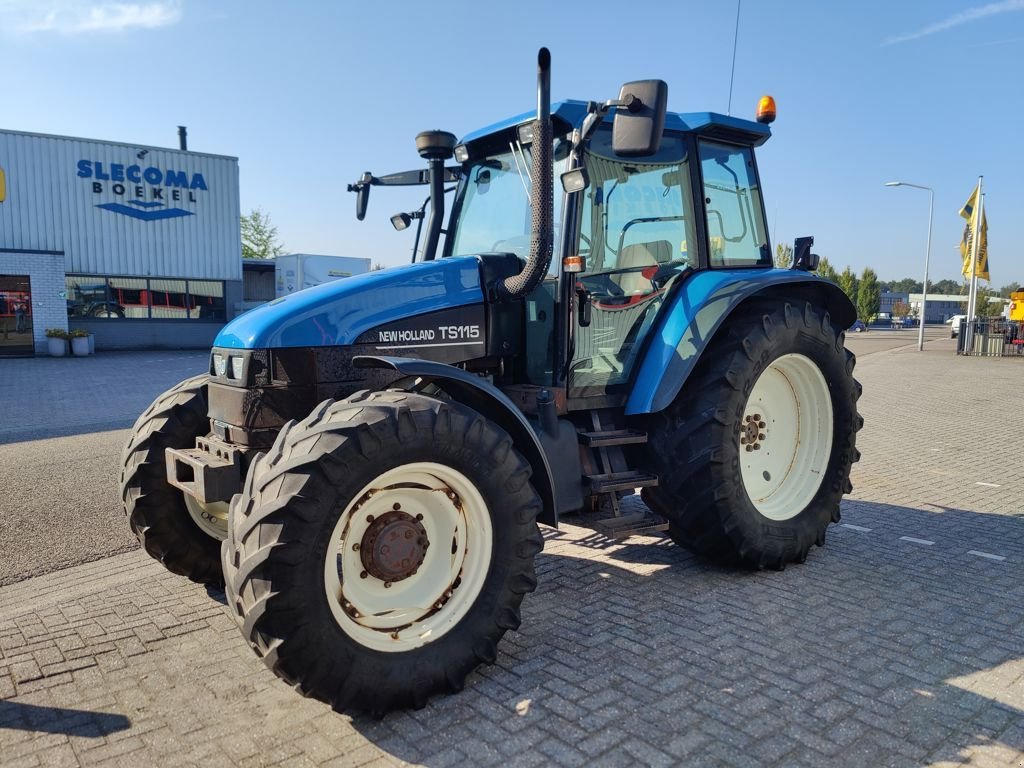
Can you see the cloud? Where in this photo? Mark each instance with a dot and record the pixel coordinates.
(78, 17)
(963, 17)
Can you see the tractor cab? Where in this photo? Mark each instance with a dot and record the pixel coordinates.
(627, 230)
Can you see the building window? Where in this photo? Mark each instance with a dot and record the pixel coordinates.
(208, 298)
(140, 298)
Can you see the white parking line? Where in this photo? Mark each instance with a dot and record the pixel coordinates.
(989, 485)
(912, 540)
(860, 528)
(986, 555)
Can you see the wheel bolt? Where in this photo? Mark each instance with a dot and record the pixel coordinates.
(396, 506)
(355, 547)
(756, 417)
(363, 575)
(757, 447)
(761, 436)
(761, 425)
(387, 585)
(750, 447)
(419, 517)
(369, 518)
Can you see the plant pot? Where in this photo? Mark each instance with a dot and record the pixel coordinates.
(56, 347)
(80, 346)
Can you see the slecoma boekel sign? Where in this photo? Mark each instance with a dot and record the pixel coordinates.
(146, 192)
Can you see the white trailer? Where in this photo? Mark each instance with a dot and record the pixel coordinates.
(295, 271)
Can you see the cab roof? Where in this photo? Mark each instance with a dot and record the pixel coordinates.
(710, 124)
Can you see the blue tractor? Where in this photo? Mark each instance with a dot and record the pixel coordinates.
(366, 462)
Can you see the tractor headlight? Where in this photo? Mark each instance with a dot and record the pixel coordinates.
(220, 365)
(237, 367)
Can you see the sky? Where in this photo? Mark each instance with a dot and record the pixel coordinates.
(309, 95)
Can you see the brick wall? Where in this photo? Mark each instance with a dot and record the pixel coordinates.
(46, 278)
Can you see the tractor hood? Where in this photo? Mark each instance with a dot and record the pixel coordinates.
(336, 313)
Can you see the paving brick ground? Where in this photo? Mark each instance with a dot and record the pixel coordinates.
(899, 643)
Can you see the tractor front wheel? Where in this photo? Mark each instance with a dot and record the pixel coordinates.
(172, 527)
(382, 548)
(755, 454)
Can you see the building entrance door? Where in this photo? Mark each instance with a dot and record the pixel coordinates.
(15, 316)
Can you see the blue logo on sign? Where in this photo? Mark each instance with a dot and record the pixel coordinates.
(146, 215)
(134, 181)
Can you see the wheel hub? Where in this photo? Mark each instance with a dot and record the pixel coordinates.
(393, 546)
(753, 432)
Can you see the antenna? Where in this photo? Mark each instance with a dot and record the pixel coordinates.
(732, 74)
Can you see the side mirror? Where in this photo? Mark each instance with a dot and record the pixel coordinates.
(640, 119)
(362, 190)
(803, 259)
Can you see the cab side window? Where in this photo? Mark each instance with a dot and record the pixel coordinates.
(737, 236)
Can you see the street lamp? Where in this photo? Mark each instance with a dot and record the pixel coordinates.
(927, 254)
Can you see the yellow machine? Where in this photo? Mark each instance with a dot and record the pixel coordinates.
(1017, 306)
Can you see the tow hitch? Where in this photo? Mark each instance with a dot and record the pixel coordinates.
(212, 471)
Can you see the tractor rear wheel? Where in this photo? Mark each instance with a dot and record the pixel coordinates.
(754, 455)
(172, 527)
(382, 548)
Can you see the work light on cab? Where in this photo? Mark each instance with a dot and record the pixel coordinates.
(766, 110)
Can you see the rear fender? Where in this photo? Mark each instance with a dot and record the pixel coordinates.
(698, 309)
(489, 401)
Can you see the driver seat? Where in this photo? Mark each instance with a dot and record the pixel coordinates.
(640, 255)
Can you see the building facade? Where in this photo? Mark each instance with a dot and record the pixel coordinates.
(139, 245)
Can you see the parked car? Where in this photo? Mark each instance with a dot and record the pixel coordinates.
(858, 326)
(954, 325)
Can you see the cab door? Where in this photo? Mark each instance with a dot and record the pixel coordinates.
(637, 238)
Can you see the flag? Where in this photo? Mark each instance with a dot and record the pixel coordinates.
(983, 248)
(970, 212)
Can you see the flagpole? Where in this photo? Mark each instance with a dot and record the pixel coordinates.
(972, 296)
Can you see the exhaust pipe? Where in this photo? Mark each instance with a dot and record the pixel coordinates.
(541, 193)
(435, 147)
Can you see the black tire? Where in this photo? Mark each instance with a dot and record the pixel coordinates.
(156, 509)
(106, 311)
(282, 523)
(695, 443)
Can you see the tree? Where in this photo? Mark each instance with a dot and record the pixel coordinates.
(848, 282)
(827, 271)
(869, 295)
(948, 287)
(1006, 290)
(900, 309)
(783, 256)
(985, 308)
(906, 285)
(259, 237)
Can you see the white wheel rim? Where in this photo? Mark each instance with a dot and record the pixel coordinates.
(785, 437)
(420, 607)
(212, 517)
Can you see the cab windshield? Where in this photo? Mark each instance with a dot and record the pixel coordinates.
(494, 216)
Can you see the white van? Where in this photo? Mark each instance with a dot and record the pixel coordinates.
(954, 325)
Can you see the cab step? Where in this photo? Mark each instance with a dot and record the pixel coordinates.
(638, 523)
(620, 481)
(613, 437)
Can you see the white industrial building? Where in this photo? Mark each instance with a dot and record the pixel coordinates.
(139, 245)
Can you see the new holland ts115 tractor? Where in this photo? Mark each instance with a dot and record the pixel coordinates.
(365, 463)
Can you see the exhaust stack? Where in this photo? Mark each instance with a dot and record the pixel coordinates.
(183, 138)
(541, 192)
